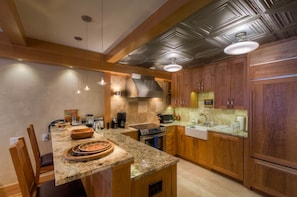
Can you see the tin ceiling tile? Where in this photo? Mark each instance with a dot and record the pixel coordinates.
(201, 38)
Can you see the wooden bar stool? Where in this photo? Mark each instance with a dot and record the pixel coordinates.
(44, 163)
(27, 181)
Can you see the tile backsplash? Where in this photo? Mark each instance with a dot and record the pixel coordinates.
(146, 110)
(139, 110)
(217, 116)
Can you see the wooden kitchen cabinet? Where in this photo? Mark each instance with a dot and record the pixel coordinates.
(203, 78)
(201, 155)
(181, 144)
(273, 136)
(230, 84)
(182, 95)
(226, 154)
(272, 179)
(192, 149)
(171, 140)
(133, 134)
(162, 183)
(184, 144)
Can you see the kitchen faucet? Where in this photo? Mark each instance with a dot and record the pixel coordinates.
(206, 122)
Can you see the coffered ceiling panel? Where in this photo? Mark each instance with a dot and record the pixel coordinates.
(201, 38)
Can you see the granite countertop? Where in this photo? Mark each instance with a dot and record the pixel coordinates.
(66, 171)
(218, 129)
(146, 159)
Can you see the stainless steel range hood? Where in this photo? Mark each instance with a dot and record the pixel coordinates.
(139, 86)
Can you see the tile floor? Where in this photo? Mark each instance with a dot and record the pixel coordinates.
(194, 181)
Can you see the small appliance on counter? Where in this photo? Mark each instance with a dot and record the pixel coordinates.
(89, 120)
(98, 123)
(166, 118)
(121, 119)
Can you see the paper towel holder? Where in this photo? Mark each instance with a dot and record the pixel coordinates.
(242, 124)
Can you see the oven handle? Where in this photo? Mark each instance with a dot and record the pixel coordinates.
(147, 137)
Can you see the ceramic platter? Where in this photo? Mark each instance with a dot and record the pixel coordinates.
(95, 146)
(91, 150)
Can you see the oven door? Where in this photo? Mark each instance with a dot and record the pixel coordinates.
(156, 140)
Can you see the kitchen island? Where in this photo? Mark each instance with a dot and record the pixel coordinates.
(132, 169)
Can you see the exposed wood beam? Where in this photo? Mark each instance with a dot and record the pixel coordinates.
(171, 13)
(55, 54)
(10, 22)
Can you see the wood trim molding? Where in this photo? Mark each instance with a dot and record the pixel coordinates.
(10, 22)
(54, 54)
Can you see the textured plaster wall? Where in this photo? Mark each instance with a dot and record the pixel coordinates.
(38, 94)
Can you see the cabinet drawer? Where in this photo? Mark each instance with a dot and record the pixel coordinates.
(273, 179)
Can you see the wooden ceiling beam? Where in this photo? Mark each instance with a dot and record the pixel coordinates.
(167, 16)
(10, 22)
(54, 54)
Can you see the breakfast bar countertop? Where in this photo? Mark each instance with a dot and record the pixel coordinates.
(66, 171)
(146, 159)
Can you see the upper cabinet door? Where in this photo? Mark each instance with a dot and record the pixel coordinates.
(222, 85)
(182, 95)
(203, 78)
(230, 84)
(238, 83)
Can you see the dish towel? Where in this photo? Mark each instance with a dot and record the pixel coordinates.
(156, 144)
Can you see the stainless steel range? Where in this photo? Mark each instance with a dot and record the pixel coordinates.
(152, 134)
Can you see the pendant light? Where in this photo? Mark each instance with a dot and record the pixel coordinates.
(78, 90)
(102, 82)
(86, 19)
(242, 46)
(173, 67)
(78, 39)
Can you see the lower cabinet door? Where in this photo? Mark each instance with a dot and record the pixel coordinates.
(227, 155)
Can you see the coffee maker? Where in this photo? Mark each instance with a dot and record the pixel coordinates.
(121, 117)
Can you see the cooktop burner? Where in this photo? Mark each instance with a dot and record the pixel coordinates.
(149, 129)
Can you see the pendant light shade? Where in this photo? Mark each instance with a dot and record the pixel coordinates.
(172, 67)
(242, 46)
(101, 82)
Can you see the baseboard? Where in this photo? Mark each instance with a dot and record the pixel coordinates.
(9, 190)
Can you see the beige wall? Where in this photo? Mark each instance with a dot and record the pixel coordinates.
(38, 94)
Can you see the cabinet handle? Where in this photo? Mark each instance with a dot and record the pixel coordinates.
(232, 102)
(228, 102)
(250, 119)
